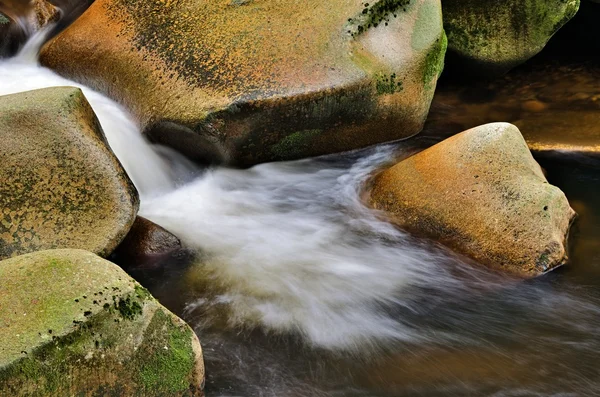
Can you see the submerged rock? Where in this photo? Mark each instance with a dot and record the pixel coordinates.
(481, 193)
(244, 82)
(62, 187)
(491, 36)
(72, 323)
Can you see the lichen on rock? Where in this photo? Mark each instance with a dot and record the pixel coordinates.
(75, 324)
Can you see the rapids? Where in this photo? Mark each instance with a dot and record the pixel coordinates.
(298, 289)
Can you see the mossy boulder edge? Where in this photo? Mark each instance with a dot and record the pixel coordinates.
(72, 323)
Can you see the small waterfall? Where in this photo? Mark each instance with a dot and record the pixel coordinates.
(149, 171)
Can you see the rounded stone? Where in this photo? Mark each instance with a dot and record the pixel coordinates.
(244, 82)
(62, 187)
(491, 37)
(481, 193)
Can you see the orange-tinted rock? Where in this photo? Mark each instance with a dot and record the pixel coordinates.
(243, 82)
(62, 186)
(481, 193)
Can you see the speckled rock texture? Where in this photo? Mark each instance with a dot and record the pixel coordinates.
(62, 186)
(244, 82)
(481, 193)
(491, 36)
(74, 324)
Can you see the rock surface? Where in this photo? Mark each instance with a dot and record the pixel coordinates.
(491, 37)
(243, 82)
(62, 187)
(72, 323)
(148, 246)
(11, 36)
(481, 193)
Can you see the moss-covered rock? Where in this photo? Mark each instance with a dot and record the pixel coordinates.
(244, 82)
(481, 193)
(493, 36)
(62, 187)
(72, 323)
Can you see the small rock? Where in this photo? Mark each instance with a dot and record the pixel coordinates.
(481, 193)
(148, 247)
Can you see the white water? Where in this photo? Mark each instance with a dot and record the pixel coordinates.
(144, 166)
(288, 246)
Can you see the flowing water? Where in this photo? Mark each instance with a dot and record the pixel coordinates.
(298, 289)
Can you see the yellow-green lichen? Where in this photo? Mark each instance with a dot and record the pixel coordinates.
(295, 144)
(434, 61)
(3, 19)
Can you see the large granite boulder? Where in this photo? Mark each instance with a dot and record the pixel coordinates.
(481, 193)
(249, 81)
(72, 323)
(62, 187)
(491, 36)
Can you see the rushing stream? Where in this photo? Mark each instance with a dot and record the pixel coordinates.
(298, 289)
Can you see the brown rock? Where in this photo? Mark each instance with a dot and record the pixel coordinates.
(481, 193)
(62, 187)
(243, 82)
(147, 246)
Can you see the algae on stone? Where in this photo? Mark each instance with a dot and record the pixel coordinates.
(72, 323)
(494, 36)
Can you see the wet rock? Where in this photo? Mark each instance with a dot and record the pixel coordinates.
(12, 36)
(62, 187)
(148, 247)
(490, 37)
(72, 323)
(556, 107)
(243, 82)
(481, 193)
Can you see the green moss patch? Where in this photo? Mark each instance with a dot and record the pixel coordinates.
(170, 356)
(434, 62)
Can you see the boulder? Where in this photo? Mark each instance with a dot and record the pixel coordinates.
(490, 37)
(72, 323)
(62, 187)
(244, 82)
(481, 193)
